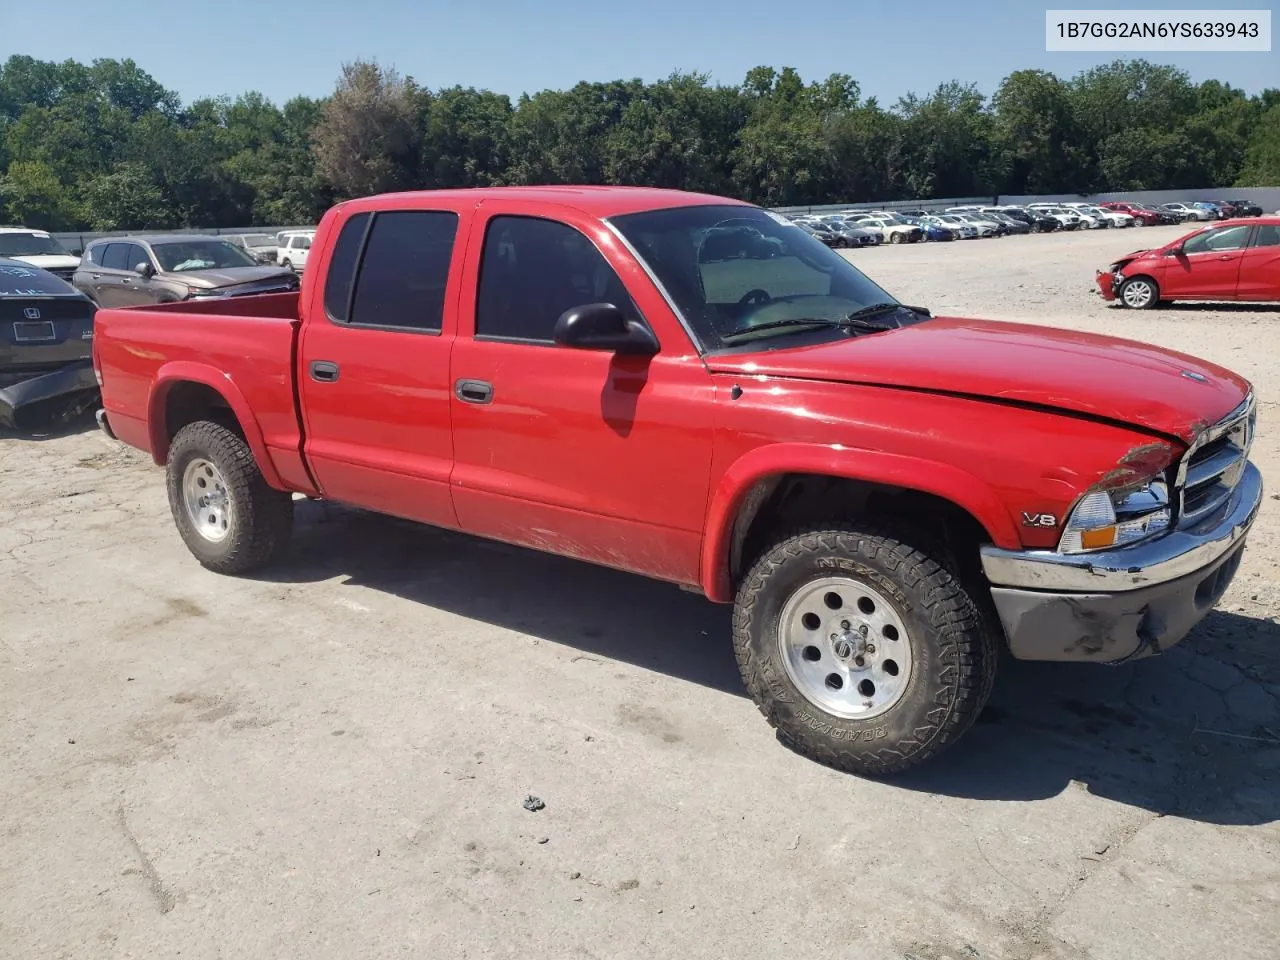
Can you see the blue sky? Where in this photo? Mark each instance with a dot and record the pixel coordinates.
(288, 47)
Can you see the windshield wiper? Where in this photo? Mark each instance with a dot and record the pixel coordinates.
(860, 319)
(878, 308)
(796, 323)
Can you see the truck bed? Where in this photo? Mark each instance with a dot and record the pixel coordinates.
(245, 346)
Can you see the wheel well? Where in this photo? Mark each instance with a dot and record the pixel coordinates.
(778, 502)
(187, 402)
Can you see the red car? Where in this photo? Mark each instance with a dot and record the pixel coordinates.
(1230, 260)
(1142, 216)
(884, 496)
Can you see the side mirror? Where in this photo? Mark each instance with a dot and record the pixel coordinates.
(145, 270)
(1174, 251)
(602, 326)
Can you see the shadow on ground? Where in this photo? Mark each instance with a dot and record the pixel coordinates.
(52, 431)
(1193, 733)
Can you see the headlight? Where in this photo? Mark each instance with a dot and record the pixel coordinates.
(204, 292)
(1117, 518)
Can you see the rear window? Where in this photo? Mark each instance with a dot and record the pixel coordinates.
(16, 281)
(342, 268)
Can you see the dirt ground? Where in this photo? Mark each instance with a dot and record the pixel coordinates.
(330, 760)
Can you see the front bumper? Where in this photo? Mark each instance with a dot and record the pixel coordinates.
(1107, 284)
(1120, 605)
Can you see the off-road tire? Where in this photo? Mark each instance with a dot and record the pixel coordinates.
(261, 517)
(954, 648)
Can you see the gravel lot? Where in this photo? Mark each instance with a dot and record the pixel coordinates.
(330, 761)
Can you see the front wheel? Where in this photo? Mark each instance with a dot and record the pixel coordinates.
(1139, 293)
(229, 518)
(895, 238)
(866, 653)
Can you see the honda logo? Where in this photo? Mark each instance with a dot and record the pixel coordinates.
(31, 313)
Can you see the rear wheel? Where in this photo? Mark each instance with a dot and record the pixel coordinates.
(866, 653)
(895, 237)
(229, 518)
(1139, 293)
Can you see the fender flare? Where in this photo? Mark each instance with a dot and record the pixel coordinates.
(180, 371)
(873, 466)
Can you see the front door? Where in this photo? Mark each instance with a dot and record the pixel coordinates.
(1260, 265)
(1207, 267)
(373, 362)
(578, 452)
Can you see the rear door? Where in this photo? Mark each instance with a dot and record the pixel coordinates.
(584, 453)
(110, 272)
(1207, 267)
(373, 364)
(1260, 265)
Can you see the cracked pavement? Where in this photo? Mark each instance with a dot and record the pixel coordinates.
(331, 759)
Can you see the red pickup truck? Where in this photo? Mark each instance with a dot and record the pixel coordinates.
(696, 390)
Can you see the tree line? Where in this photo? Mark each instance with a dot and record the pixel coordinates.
(104, 146)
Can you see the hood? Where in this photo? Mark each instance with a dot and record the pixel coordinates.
(50, 261)
(1121, 262)
(227, 277)
(1104, 377)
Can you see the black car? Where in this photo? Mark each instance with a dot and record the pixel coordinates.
(1244, 208)
(46, 348)
(1036, 222)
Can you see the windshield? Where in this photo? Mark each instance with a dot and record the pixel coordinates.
(180, 256)
(30, 245)
(24, 281)
(728, 268)
(259, 240)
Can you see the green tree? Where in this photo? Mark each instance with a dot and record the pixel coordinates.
(367, 140)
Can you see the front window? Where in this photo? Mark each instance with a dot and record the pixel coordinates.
(1232, 238)
(732, 270)
(183, 255)
(30, 245)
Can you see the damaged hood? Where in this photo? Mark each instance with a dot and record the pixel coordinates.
(1121, 262)
(1120, 380)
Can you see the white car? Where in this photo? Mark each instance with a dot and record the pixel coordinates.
(985, 228)
(891, 228)
(293, 252)
(1070, 219)
(1187, 212)
(1111, 218)
(1117, 218)
(39, 249)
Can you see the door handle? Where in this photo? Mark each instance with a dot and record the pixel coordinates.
(474, 391)
(324, 371)
(1231, 257)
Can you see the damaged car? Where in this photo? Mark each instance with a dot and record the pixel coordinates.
(1235, 260)
(46, 346)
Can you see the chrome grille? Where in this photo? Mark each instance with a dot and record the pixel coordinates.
(1212, 467)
